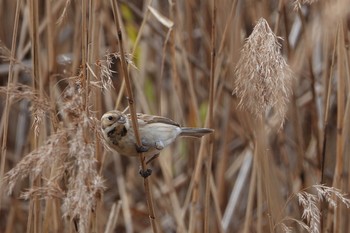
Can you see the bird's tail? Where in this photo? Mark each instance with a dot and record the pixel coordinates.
(195, 132)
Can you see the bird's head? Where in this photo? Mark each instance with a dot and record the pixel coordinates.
(110, 118)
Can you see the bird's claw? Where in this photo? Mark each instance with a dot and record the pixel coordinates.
(141, 149)
(145, 173)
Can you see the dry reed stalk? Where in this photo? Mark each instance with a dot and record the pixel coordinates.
(222, 164)
(210, 123)
(174, 199)
(270, 187)
(218, 213)
(262, 84)
(328, 88)
(125, 203)
(142, 98)
(209, 161)
(84, 55)
(194, 115)
(94, 25)
(133, 117)
(208, 166)
(194, 189)
(193, 60)
(345, 212)
(251, 195)
(298, 138)
(162, 92)
(37, 83)
(229, 20)
(235, 196)
(25, 46)
(314, 113)
(6, 112)
(172, 39)
(144, 104)
(50, 217)
(52, 65)
(279, 11)
(11, 219)
(341, 93)
(113, 216)
(260, 195)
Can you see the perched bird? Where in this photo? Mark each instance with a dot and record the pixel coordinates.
(156, 133)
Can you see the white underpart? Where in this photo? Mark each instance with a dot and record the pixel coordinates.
(159, 132)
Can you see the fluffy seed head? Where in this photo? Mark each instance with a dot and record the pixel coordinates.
(262, 77)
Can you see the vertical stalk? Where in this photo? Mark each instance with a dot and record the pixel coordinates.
(84, 52)
(7, 100)
(49, 220)
(210, 120)
(251, 195)
(341, 90)
(264, 166)
(37, 81)
(133, 115)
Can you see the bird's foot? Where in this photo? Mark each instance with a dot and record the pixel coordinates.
(141, 149)
(145, 173)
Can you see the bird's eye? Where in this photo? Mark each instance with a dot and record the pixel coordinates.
(110, 118)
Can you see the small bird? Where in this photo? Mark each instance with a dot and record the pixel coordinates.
(156, 133)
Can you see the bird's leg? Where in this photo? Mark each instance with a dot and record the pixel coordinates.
(148, 171)
(152, 158)
(145, 173)
(141, 149)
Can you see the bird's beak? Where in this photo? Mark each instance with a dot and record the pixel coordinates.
(121, 119)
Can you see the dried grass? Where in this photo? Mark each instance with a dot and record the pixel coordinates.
(57, 175)
(262, 77)
(310, 203)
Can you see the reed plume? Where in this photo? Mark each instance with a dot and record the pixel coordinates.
(262, 77)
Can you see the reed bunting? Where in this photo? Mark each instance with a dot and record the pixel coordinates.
(156, 133)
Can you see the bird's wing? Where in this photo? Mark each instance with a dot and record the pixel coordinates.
(145, 119)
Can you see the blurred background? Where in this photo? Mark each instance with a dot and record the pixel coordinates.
(60, 71)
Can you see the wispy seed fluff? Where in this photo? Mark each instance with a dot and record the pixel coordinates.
(262, 77)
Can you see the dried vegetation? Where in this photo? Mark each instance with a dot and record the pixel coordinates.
(272, 80)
